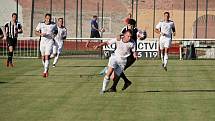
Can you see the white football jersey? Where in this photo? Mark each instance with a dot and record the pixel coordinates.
(123, 50)
(49, 29)
(166, 27)
(61, 35)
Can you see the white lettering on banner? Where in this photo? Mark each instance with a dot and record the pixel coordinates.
(145, 48)
(109, 47)
(147, 45)
(147, 54)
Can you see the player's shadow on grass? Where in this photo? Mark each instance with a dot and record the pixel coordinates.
(86, 66)
(3, 82)
(155, 65)
(176, 91)
(138, 76)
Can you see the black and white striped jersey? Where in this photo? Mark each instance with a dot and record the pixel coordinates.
(11, 29)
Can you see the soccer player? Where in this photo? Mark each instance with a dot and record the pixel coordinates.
(127, 18)
(118, 59)
(130, 59)
(47, 30)
(166, 29)
(94, 30)
(58, 44)
(12, 29)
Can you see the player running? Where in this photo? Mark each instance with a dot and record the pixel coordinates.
(58, 43)
(130, 59)
(166, 29)
(47, 30)
(118, 59)
(12, 29)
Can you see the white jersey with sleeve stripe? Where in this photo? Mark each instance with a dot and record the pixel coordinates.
(123, 50)
(49, 29)
(166, 28)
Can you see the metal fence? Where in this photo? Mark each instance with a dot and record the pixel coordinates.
(147, 49)
(193, 18)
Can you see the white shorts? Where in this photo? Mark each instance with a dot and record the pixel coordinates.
(165, 42)
(57, 47)
(46, 47)
(117, 64)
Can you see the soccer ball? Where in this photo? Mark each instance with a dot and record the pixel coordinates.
(102, 30)
(141, 34)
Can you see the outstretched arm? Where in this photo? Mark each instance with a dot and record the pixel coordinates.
(100, 45)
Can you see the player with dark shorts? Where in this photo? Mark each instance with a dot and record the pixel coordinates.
(12, 29)
(130, 60)
(94, 30)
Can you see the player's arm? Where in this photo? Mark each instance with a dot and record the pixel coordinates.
(94, 27)
(100, 30)
(119, 37)
(55, 31)
(173, 30)
(109, 42)
(20, 28)
(65, 34)
(100, 45)
(158, 29)
(4, 33)
(38, 31)
(135, 55)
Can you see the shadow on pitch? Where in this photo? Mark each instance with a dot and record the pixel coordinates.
(3, 82)
(175, 91)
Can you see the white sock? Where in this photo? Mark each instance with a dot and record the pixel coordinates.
(162, 59)
(105, 83)
(46, 66)
(165, 59)
(56, 59)
(43, 62)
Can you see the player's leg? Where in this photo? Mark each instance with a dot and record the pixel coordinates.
(112, 64)
(106, 79)
(10, 55)
(11, 45)
(166, 50)
(130, 61)
(92, 35)
(165, 58)
(54, 51)
(42, 51)
(162, 52)
(48, 49)
(57, 53)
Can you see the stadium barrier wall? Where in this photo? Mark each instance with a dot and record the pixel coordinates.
(28, 47)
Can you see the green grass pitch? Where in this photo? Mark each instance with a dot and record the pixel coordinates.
(186, 92)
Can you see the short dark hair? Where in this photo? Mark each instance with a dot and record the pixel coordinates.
(129, 31)
(132, 22)
(95, 16)
(60, 18)
(14, 14)
(48, 14)
(166, 13)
